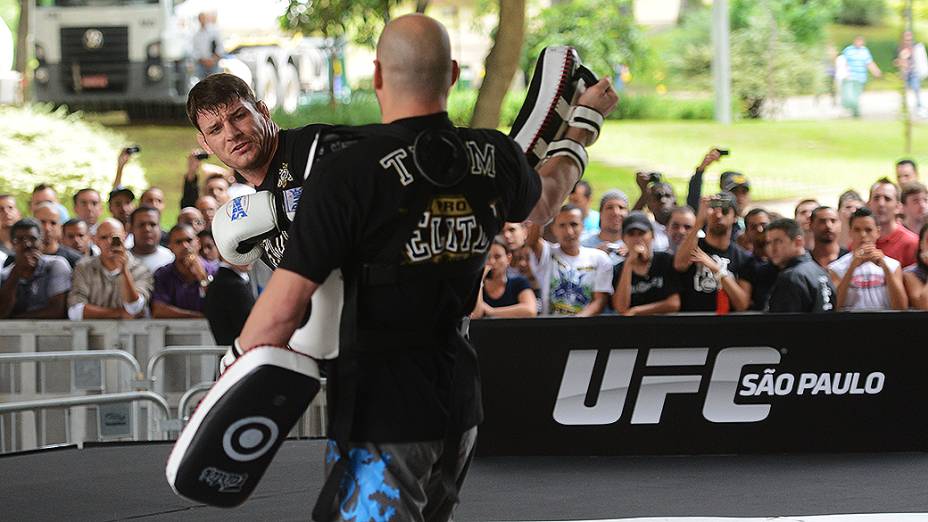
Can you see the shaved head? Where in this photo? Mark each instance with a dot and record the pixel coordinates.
(414, 53)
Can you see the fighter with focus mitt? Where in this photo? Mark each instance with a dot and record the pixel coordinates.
(550, 108)
(238, 427)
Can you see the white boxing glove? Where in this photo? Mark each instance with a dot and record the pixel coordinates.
(242, 223)
(318, 338)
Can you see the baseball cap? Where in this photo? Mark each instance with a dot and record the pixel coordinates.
(122, 190)
(731, 180)
(610, 195)
(637, 221)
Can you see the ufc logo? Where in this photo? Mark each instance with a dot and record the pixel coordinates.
(719, 405)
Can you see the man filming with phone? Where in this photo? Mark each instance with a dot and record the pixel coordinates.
(112, 285)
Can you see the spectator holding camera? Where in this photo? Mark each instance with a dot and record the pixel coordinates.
(915, 277)
(582, 197)
(826, 229)
(802, 286)
(712, 266)
(180, 287)
(113, 285)
(502, 295)
(895, 240)
(36, 285)
(848, 203)
(914, 206)
(573, 279)
(645, 282)
(867, 278)
(146, 231)
(613, 207)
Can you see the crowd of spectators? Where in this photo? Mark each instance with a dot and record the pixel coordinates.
(81, 265)
(715, 253)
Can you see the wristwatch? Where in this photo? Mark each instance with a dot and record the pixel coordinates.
(205, 282)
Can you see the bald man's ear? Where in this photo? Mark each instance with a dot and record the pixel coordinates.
(378, 75)
(201, 139)
(455, 72)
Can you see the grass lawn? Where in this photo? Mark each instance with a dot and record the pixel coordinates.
(784, 160)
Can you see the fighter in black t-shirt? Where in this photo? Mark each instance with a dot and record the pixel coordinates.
(406, 213)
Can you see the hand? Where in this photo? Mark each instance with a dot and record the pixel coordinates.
(710, 158)
(123, 314)
(877, 257)
(23, 269)
(120, 257)
(642, 179)
(123, 159)
(861, 255)
(600, 96)
(193, 164)
(699, 256)
(638, 255)
(631, 312)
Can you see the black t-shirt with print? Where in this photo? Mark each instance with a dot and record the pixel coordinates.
(661, 282)
(351, 206)
(514, 286)
(698, 287)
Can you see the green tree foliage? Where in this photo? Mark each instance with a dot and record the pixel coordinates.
(775, 49)
(602, 31)
(358, 20)
(861, 12)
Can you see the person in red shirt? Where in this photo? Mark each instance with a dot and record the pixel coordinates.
(895, 240)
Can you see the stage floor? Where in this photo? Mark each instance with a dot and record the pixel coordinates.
(119, 482)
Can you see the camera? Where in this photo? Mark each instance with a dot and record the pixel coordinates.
(723, 152)
(654, 177)
(202, 156)
(115, 241)
(133, 149)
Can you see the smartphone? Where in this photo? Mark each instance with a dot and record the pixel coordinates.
(723, 152)
(654, 177)
(133, 149)
(202, 156)
(115, 241)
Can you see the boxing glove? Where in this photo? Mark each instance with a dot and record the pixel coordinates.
(242, 223)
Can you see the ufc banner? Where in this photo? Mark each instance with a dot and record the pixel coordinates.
(703, 384)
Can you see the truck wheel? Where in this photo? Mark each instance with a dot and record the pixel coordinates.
(290, 95)
(268, 87)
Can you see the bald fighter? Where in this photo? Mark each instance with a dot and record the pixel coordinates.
(407, 214)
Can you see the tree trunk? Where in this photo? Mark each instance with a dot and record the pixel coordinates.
(422, 5)
(501, 63)
(22, 38)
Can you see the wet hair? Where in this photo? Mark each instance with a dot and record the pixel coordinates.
(215, 92)
(862, 212)
(789, 227)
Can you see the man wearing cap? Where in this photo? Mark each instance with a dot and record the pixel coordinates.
(613, 207)
(121, 204)
(645, 282)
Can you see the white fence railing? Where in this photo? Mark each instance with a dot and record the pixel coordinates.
(179, 356)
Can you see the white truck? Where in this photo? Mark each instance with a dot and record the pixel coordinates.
(134, 55)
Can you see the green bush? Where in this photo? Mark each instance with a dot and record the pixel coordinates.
(654, 107)
(861, 12)
(39, 145)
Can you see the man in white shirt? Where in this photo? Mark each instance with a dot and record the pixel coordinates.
(573, 279)
(865, 277)
(207, 47)
(146, 230)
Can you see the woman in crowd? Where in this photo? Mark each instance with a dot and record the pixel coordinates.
(915, 276)
(503, 295)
